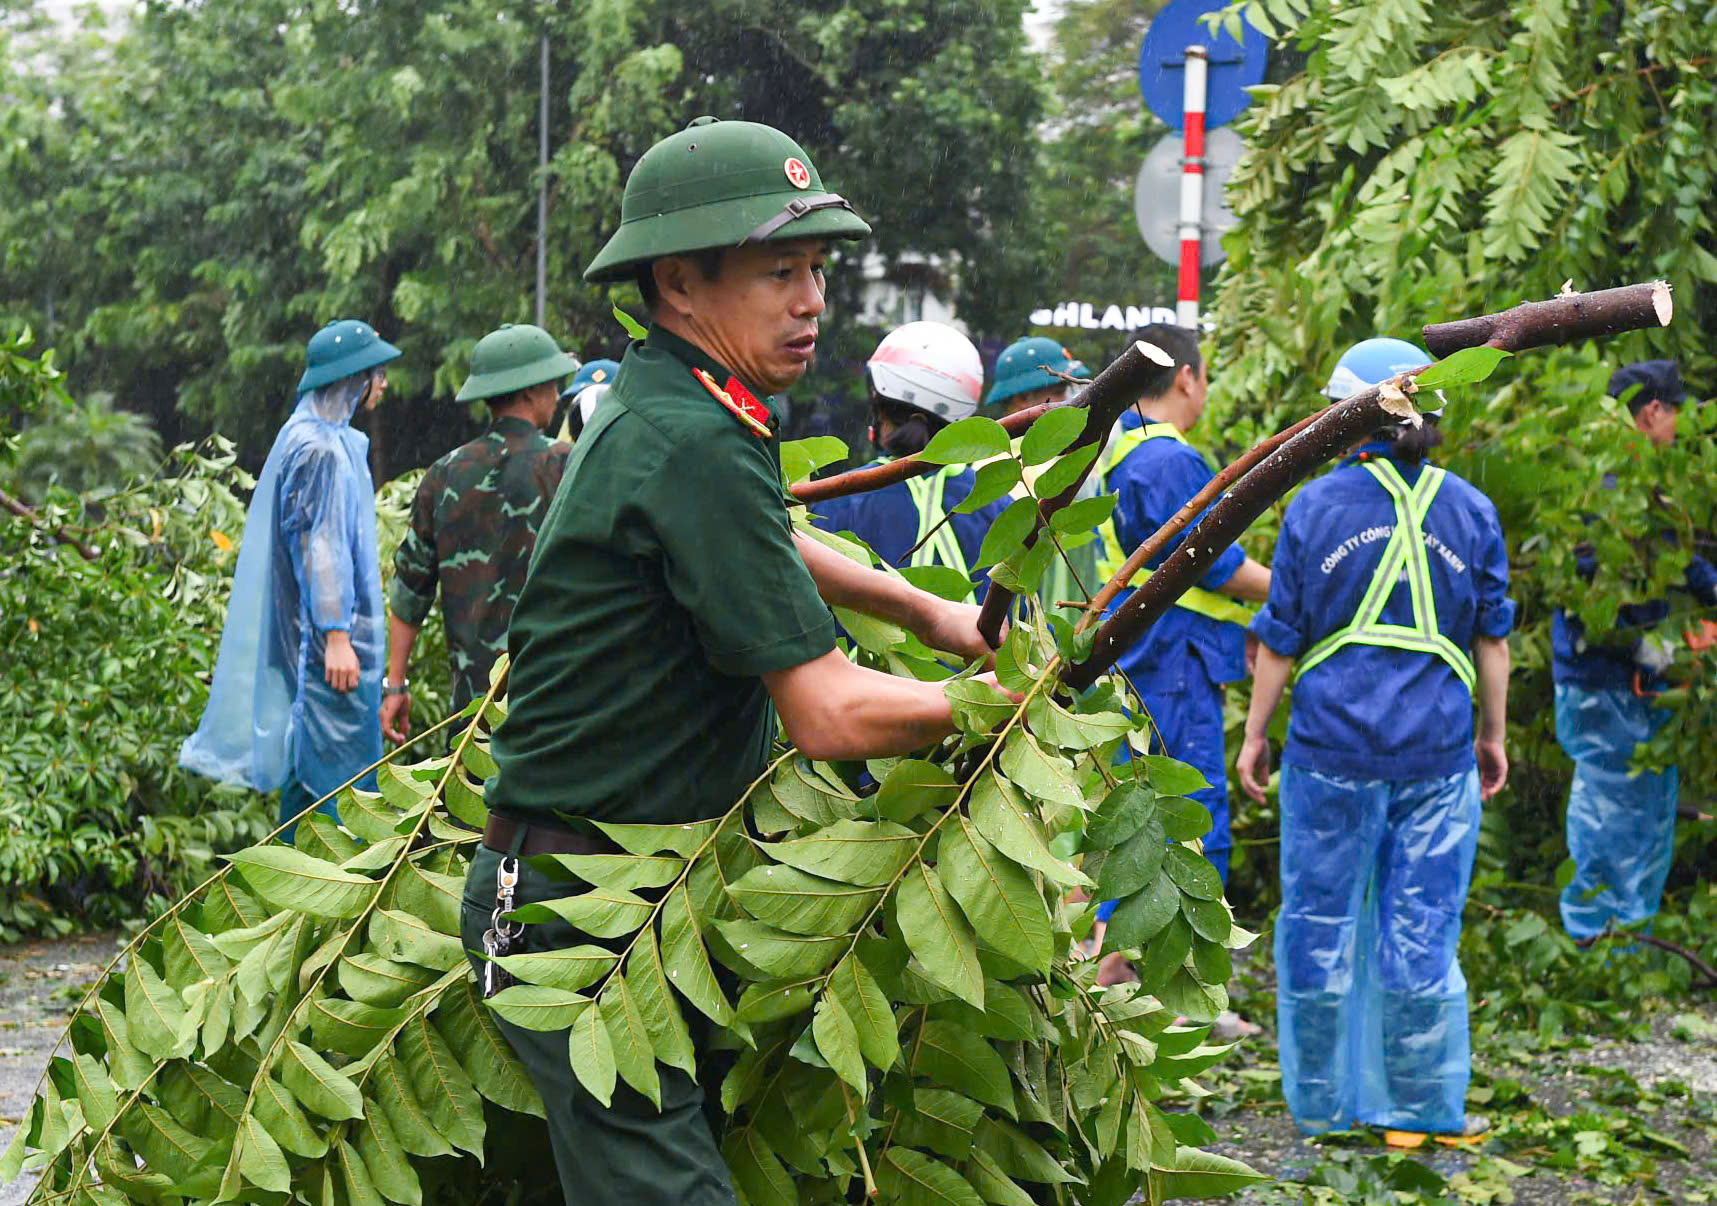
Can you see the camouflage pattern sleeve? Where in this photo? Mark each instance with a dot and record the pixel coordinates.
(416, 567)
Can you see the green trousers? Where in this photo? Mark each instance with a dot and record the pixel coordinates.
(628, 1152)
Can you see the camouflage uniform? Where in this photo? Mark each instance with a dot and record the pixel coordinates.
(473, 525)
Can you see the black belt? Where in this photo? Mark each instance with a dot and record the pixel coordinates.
(520, 840)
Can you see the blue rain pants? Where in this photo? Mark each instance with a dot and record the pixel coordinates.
(1621, 826)
(1371, 1005)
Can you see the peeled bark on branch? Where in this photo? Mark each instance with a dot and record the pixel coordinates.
(1533, 324)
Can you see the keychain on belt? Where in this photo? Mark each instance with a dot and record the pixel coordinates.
(498, 939)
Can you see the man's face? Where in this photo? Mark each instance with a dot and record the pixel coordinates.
(378, 387)
(1196, 386)
(1657, 421)
(759, 316)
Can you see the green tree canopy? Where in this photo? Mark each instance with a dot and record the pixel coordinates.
(1435, 161)
(202, 192)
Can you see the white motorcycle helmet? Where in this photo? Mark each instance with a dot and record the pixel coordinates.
(929, 366)
(587, 399)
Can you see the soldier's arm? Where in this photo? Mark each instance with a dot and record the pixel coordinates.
(940, 624)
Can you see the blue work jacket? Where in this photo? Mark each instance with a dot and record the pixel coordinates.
(1611, 667)
(1182, 650)
(888, 521)
(1370, 711)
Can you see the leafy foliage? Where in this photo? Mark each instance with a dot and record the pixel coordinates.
(106, 668)
(890, 948)
(85, 446)
(1430, 162)
(190, 196)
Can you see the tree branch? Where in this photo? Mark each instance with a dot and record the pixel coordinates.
(1565, 319)
(1190, 511)
(1532, 324)
(862, 481)
(59, 533)
(1142, 369)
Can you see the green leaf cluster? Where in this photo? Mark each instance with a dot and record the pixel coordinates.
(891, 950)
(1421, 163)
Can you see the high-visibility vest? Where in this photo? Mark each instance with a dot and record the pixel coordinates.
(942, 548)
(1206, 603)
(1404, 556)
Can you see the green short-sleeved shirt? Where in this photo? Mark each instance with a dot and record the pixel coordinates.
(664, 583)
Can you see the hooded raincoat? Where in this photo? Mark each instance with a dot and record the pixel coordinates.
(308, 565)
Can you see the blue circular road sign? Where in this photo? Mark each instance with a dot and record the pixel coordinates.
(1234, 66)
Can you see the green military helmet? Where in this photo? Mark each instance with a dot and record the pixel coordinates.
(343, 348)
(514, 357)
(721, 184)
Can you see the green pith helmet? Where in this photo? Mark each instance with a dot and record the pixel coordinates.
(1028, 364)
(721, 184)
(340, 349)
(512, 358)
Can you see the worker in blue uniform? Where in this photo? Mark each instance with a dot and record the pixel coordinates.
(922, 377)
(1621, 823)
(1390, 602)
(1182, 664)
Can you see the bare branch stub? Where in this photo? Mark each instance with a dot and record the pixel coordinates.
(1139, 370)
(1565, 319)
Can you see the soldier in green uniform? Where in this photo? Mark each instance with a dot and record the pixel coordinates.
(475, 519)
(672, 612)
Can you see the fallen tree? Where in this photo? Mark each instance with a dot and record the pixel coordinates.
(888, 950)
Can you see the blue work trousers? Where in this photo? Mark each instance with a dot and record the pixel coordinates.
(1371, 1005)
(1189, 720)
(1621, 825)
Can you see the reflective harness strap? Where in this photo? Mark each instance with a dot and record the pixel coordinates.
(1206, 603)
(943, 548)
(1404, 556)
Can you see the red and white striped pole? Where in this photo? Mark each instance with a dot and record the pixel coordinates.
(1192, 186)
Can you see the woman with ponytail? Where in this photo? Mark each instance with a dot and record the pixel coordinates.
(922, 377)
(1389, 605)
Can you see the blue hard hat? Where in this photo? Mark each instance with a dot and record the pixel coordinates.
(593, 372)
(1028, 364)
(1372, 362)
(340, 349)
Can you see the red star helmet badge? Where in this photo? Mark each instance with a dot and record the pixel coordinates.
(741, 402)
(798, 175)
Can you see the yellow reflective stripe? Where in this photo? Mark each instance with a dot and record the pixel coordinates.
(943, 547)
(1403, 556)
(1201, 602)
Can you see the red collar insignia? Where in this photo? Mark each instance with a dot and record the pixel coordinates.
(741, 402)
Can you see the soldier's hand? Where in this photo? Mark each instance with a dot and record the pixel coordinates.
(953, 628)
(396, 717)
(340, 662)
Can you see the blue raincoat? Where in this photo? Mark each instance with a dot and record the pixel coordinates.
(1620, 826)
(308, 565)
(890, 520)
(1183, 660)
(1379, 800)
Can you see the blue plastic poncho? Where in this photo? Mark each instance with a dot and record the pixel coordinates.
(308, 565)
(1621, 825)
(1371, 1004)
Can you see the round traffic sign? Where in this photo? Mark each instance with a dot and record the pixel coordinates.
(1156, 196)
(1234, 66)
